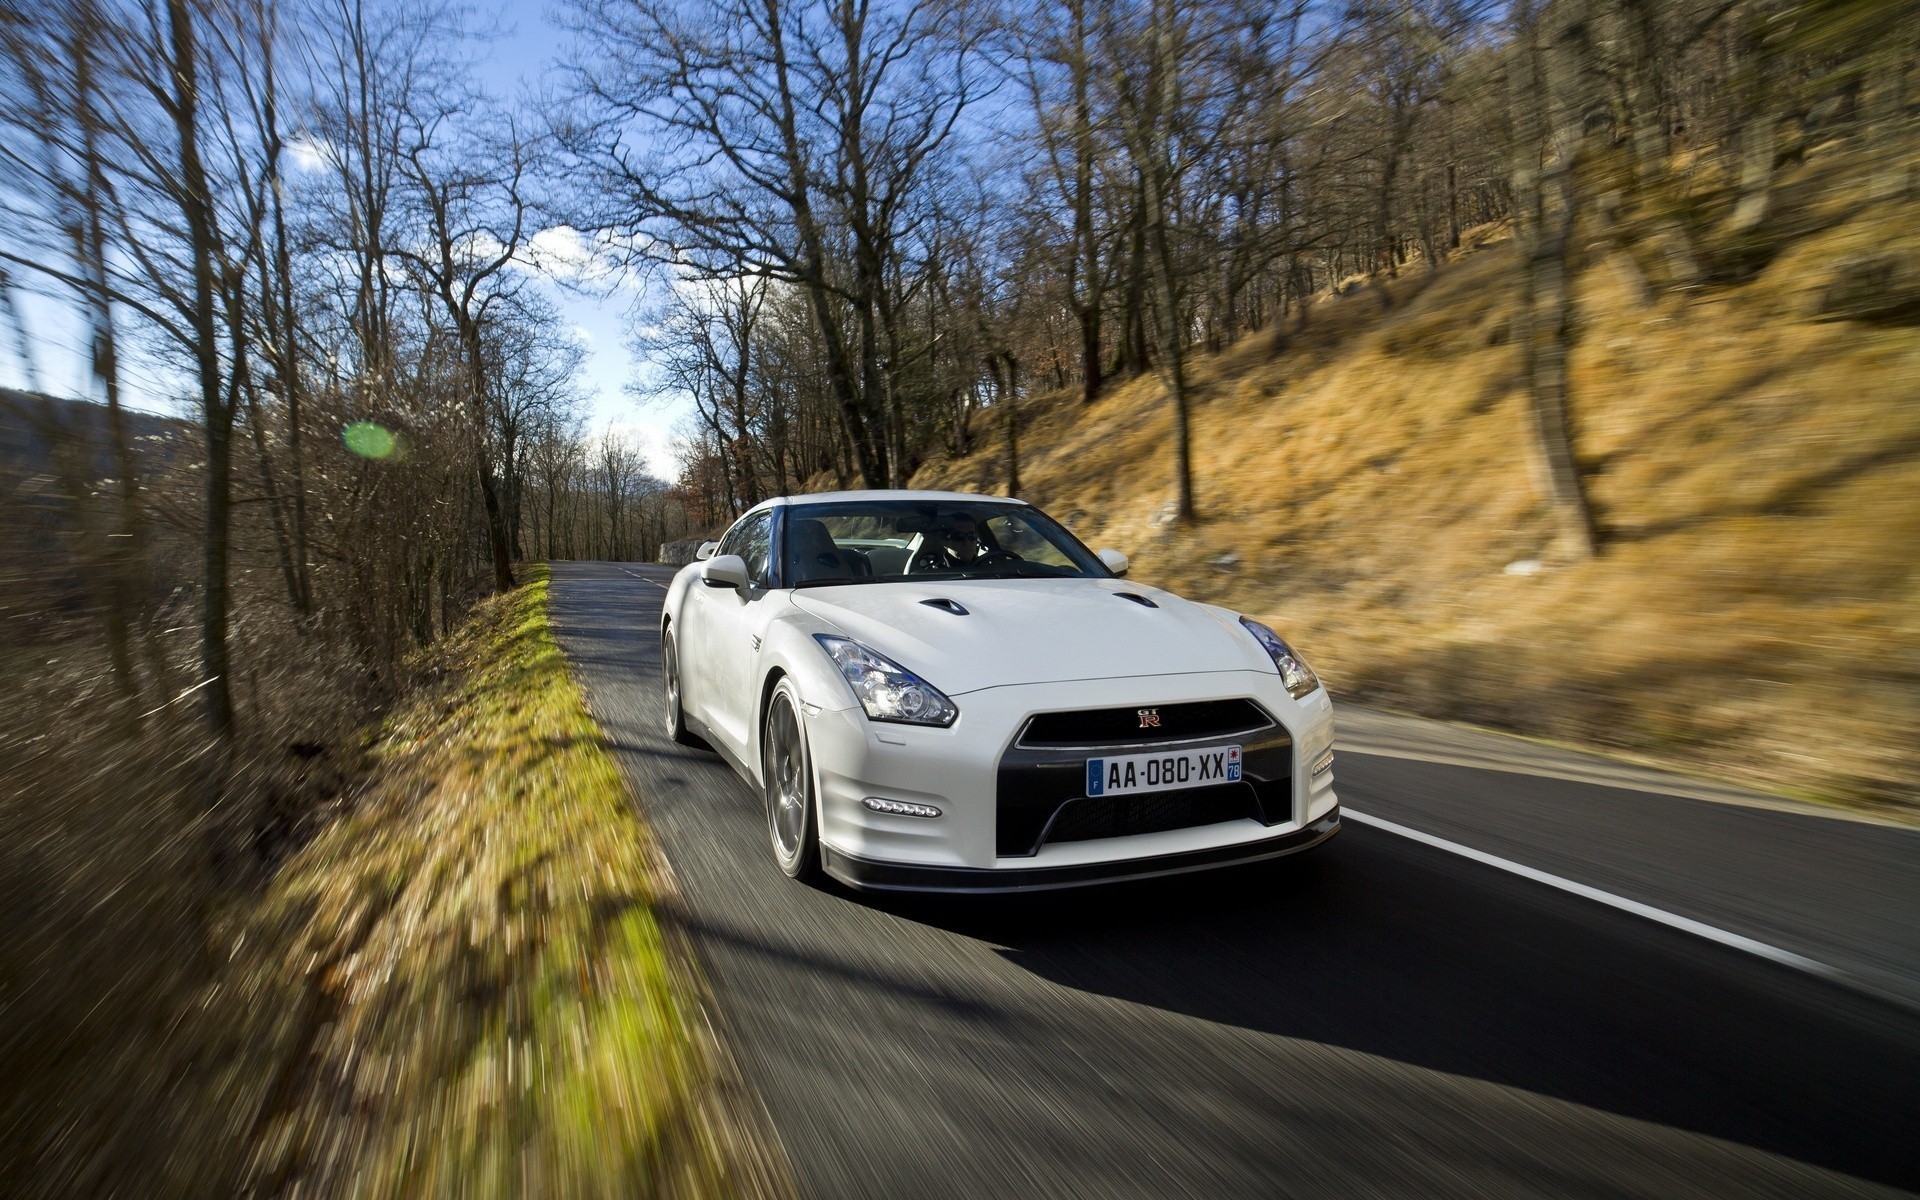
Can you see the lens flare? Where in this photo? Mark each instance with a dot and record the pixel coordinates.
(369, 440)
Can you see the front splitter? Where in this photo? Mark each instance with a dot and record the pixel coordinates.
(868, 875)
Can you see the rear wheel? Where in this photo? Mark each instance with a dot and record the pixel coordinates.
(787, 780)
(670, 670)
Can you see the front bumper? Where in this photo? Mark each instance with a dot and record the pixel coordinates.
(904, 877)
(958, 771)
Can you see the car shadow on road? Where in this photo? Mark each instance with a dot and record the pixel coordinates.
(1384, 947)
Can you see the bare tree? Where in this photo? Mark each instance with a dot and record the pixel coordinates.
(471, 191)
(1159, 146)
(1549, 72)
(754, 137)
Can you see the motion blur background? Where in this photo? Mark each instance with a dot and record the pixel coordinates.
(1544, 365)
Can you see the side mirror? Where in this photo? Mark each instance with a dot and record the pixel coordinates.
(728, 570)
(705, 551)
(1115, 561)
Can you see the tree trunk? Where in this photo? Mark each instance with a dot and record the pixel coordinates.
(244, 386)
(1424, 223)
(1548, 123)
(283, 330)
(1157, 181)
(1086, 242)
(1757, 129)
(216, 415)
(1131, 357)
(126, 546)
(1383, 216)
(1005, 376)
(499, 547)
(1453, 207)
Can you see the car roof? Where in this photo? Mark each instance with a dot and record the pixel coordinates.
(879, 494)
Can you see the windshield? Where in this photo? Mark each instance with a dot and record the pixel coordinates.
(885, 541)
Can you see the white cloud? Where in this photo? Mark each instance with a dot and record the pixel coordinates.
(653, 438)
(568, 255)
(308, 154)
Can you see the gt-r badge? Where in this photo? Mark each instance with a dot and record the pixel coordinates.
(1149, 718)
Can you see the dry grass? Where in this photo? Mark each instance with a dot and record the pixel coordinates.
(458, 987)
(1756, 613)
(122, 844)
(485, 1000)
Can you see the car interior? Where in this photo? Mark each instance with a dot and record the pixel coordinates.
(894, 546)
(813, 556)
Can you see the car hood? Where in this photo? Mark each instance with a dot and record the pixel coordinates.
(1019, 631)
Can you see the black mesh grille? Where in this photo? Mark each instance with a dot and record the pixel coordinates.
(1175, 722)
(1120, 816)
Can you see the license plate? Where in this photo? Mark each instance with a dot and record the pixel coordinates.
(1163, 772)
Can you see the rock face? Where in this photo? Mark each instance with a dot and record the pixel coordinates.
(679, 554)
(1883, 287)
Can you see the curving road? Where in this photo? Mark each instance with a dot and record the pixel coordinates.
(1380, 1016)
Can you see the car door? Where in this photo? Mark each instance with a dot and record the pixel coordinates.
(697, 636)
(733, 620)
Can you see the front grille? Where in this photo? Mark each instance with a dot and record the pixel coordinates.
(1036, 786)
(1121, 726)
(1157, 812)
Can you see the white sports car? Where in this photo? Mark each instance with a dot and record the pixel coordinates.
(944, 692)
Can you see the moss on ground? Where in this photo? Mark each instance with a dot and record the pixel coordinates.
(475, 994)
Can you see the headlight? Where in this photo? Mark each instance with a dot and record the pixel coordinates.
(885, 689)
(1294, 671)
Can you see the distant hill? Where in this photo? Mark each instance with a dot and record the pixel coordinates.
(51, 451)
(33, 425)
(1753, 452)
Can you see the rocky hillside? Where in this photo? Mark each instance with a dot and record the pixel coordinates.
(1752, 450)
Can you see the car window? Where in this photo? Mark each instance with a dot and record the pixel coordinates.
(734, 541)
(880, 541)
(757, 549)
(1017, 535)
(752, 539)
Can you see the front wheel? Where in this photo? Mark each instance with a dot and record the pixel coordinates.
(676, 715)
(787, 779)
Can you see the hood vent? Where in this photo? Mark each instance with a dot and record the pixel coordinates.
(1137, 598)
(946, 605)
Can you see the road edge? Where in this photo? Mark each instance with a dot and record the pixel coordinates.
(735, 1120)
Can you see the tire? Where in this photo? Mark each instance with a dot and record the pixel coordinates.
(786, 773)
(670, 672)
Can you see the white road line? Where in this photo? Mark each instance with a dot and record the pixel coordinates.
(1626, 776)
(643, 578)
(1672, 920)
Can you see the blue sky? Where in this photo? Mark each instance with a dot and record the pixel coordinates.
(527, 47)
(531, 43)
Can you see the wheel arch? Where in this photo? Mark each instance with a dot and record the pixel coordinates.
(771, 680)
(775, 673)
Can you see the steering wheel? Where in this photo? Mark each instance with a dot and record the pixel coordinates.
(998, 556)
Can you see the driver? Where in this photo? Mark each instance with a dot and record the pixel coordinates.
(955, 545)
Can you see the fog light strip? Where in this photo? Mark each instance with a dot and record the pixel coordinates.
(900, 808)
(1323, 764)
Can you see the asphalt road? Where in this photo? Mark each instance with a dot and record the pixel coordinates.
(1374, 1017)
